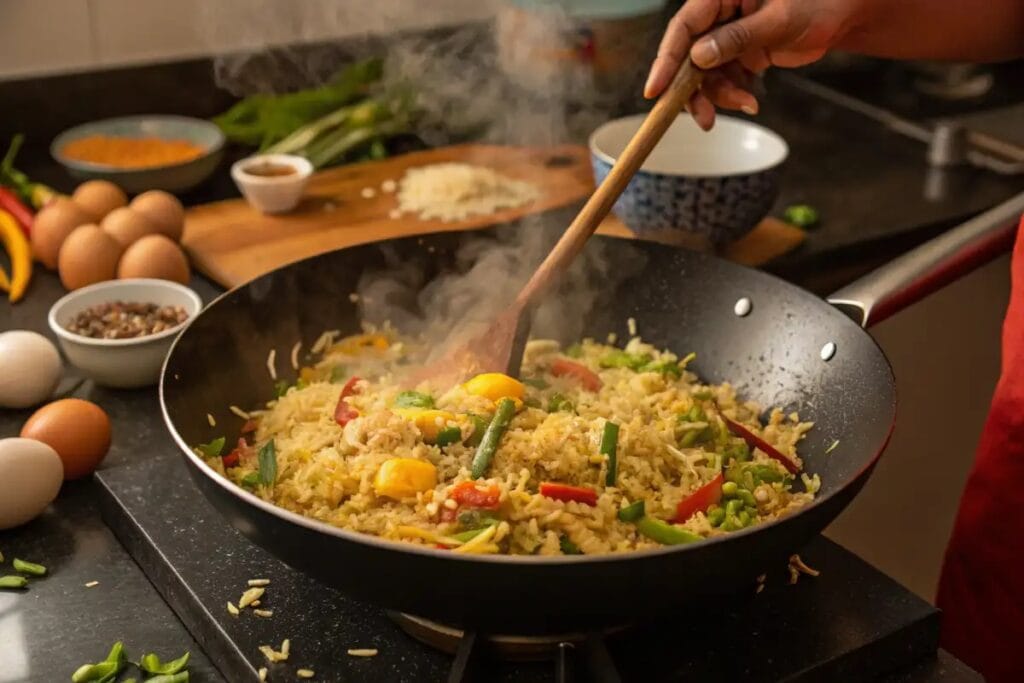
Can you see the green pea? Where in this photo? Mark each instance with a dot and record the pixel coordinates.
(733, 507)
(730, 488)
(747, 497)
(716, 515)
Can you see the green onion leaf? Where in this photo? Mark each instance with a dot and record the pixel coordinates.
(268, 464)
(414, 399)
(623, 359)
(212, 449)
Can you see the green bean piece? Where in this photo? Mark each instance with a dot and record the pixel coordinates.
(150, 663)
(30, 568)
(730, 488)
(212, 449)
(13, 582)
(448, 436)
(748, 498)
(414, 399)
(632, 512)
(733, 507)
(568, 547)
(716, 515)
(610, 448)
(624, 359)
(479, 427)
(492, 437)
(338, 374)
(535, 382)
(180, 677)
(664, 533)
(267, 458)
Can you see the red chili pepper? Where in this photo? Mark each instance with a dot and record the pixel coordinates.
(232, 458)
(344, 413)
(754, 441)
(562, 367)
(580, 494)
(249, 426)
(469, 494)
(701, 499)
(10, 203)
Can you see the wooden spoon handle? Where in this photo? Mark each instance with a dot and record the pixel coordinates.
(664, 112)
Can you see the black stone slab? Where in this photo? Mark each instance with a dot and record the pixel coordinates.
(851, 623)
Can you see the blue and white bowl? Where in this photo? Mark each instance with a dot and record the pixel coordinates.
(715, 185)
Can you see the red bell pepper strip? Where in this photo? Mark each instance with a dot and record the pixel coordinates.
(23, 215)
(469, 494)
(564, 492)
(754, 441)
(344, 413)
(562, 367)
(249, 426)
(232, 458)
(701, 499)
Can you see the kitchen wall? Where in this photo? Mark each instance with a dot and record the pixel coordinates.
(47, 36)
(945, 353)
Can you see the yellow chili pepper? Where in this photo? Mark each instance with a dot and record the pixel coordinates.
(18, 249)
(5, 283)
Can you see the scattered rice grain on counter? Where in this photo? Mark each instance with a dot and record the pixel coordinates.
(305, 673)
(249, 596)
(272, 655)
(263, 612)
(388, 186)
(368, 193)
(295, 355)
(801, 566)
(259, 582)
(631, 326)
(209, 418)
(286, 646)
(239, 412)
(92, 584)
(363, 652)
(232, 610)
(262, 673)
(254, 603)
(271, 357)
(394, 214)
(453, 191)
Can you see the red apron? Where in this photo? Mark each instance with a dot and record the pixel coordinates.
(981, 591)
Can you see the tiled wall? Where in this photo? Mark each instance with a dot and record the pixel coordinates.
(48, 36)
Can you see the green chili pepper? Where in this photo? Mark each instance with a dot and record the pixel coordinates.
(251, 479)
(13, 582)
(568, 547)
(559, 403)
(624, 359)
(610, 447)
(801, 215)
(479, 427)
(665, 367)
(150, 663)
(212, 449)
(414, 399)
(448, 436)
(338, 374)
(280, 388)
(267, 458)
(574, 351)
(535, 382)
(94, 673)
(180, 677)
(664, 533)
(716, 515)
(632, 512)
(492, 437)
(29, 567)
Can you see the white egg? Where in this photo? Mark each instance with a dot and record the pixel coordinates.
(29, 369)
(30, 476)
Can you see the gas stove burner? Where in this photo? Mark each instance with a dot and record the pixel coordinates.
(954, 81)
(510, 647)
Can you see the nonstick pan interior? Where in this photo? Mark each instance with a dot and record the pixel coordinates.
(773, 353)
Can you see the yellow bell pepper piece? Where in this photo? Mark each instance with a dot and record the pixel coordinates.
(430, 421)
(5, 284)
(400, 478)
(359, 342)
(307, 374)
(18, 249)
(496, 386)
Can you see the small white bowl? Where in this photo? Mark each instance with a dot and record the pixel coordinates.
(272, 194)
(121, 363)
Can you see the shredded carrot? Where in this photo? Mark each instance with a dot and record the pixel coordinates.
(131, 152)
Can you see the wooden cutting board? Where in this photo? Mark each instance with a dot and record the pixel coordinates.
(232, 243)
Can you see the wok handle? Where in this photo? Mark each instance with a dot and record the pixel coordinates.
(933, 265)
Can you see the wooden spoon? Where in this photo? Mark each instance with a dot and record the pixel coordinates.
(500, 347)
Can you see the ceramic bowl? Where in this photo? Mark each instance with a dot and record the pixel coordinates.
(276, 193)
(715, 185)
(121, 363)
(171, 178)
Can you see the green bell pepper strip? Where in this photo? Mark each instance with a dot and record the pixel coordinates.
(492, 437)
(664, 533)
(632, 512)
(212, 449)
(610, 447)
(448, 436)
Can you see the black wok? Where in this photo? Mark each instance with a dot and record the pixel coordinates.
(684, 301)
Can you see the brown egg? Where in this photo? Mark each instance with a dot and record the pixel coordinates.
(99, 197)
(163, 210)
(127, 225)
(87, 256)
(52, 226)
(78, 430)
(154, 256)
